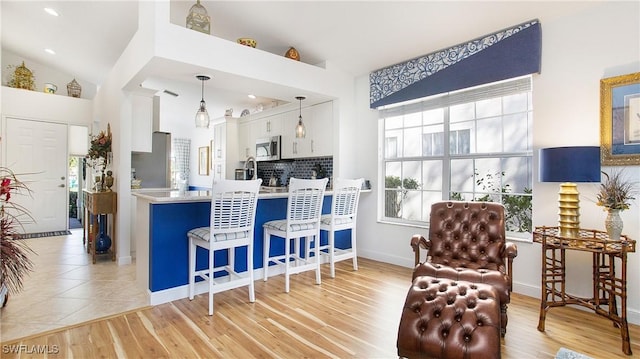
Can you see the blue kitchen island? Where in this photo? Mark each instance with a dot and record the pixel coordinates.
(162, 220)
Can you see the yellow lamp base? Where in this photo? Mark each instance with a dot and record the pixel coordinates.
(569, 210)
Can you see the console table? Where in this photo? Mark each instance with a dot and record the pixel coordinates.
(95, 204)
(607, 285)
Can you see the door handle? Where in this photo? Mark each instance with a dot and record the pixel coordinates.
(61, 186)
(62, 178)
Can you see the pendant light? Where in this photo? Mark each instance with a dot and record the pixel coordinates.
(300, 130)
(202, 116)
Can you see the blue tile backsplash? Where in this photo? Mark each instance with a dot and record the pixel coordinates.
(299, 168)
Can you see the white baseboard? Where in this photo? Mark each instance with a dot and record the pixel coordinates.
(633, 315)
(386, 258)
(181, 292)
(124, 260)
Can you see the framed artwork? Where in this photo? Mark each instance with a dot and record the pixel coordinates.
(203, 161)
(211, 157)
(620, 120)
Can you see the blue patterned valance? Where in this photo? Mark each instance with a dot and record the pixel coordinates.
(504, 54)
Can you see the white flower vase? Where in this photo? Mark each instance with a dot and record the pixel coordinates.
(613, 224)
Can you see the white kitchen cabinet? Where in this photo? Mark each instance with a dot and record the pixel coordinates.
(318, 121)
(246, 141)
(225, 149)
(141, 122)
(252, 130)
(320, 130)
(293, 147)
(268, 126)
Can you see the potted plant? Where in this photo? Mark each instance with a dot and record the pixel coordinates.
(98, 154)
(14, 259)
(615, 195)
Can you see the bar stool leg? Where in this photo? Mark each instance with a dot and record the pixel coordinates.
(192, 267)
(265, 262)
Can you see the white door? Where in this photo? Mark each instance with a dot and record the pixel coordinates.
(37, 152)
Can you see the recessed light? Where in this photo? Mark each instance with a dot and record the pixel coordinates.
(51, 11)
(49, 51)
(252, 96)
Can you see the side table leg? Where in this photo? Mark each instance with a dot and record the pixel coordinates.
(543, 288)
(113, 236)
(626, 340)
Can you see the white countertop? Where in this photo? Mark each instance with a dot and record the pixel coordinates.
(175, 196)
(160, 196)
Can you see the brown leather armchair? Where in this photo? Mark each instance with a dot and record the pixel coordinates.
(467, 242)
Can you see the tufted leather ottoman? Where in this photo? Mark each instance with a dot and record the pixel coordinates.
(444, 318)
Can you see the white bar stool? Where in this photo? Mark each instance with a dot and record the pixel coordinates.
(233, 211)
(344, 209)
(304, 209)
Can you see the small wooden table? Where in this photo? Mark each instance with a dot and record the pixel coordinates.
(607, 286)
(98, 203)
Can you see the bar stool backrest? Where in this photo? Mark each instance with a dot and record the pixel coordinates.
(346, 195)
(304, 205)
(233, 206)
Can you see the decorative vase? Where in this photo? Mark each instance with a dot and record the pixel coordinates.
(97, 183)
(293, 54)
(613, 224)
(103, 241)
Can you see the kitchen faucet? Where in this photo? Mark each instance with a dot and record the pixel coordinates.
(255, 166)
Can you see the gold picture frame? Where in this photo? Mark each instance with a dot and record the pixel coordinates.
(620, 120)
(211, 154)
(203, 161)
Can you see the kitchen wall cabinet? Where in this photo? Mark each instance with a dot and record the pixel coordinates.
(225, 149)
(252, 130)
(320, 130)
(141, 123)
(246, 140)
(318, 121)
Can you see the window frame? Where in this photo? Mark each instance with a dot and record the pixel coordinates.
(513, 87)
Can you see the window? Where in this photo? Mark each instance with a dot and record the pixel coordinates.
(473, 144)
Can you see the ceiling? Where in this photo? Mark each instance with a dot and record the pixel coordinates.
(355, 36)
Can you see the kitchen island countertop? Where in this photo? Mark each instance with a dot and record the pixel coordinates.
(175, 196)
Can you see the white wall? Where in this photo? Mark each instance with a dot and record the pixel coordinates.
(577, 51)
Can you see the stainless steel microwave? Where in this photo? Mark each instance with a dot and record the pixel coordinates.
(268, 149)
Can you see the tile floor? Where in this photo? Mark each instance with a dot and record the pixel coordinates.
(65, 288)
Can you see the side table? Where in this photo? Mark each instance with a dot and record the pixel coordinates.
(95, 204)
(608, 287)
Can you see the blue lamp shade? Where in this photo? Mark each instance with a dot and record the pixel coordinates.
(570, 164)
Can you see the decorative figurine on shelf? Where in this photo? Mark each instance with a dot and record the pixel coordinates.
(98, 155)
(50, 88)
(74, 89)
(22, 78)
(108, 181)
(293, 54)
(198, 19)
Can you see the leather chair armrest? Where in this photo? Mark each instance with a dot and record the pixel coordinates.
(417, 242)
(511, 251)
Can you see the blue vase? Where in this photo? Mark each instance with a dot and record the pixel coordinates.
(103, 241)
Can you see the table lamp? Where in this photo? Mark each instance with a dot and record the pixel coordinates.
(569, 165)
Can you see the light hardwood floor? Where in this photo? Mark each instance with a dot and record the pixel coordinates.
(65, 288)
(355, 315)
